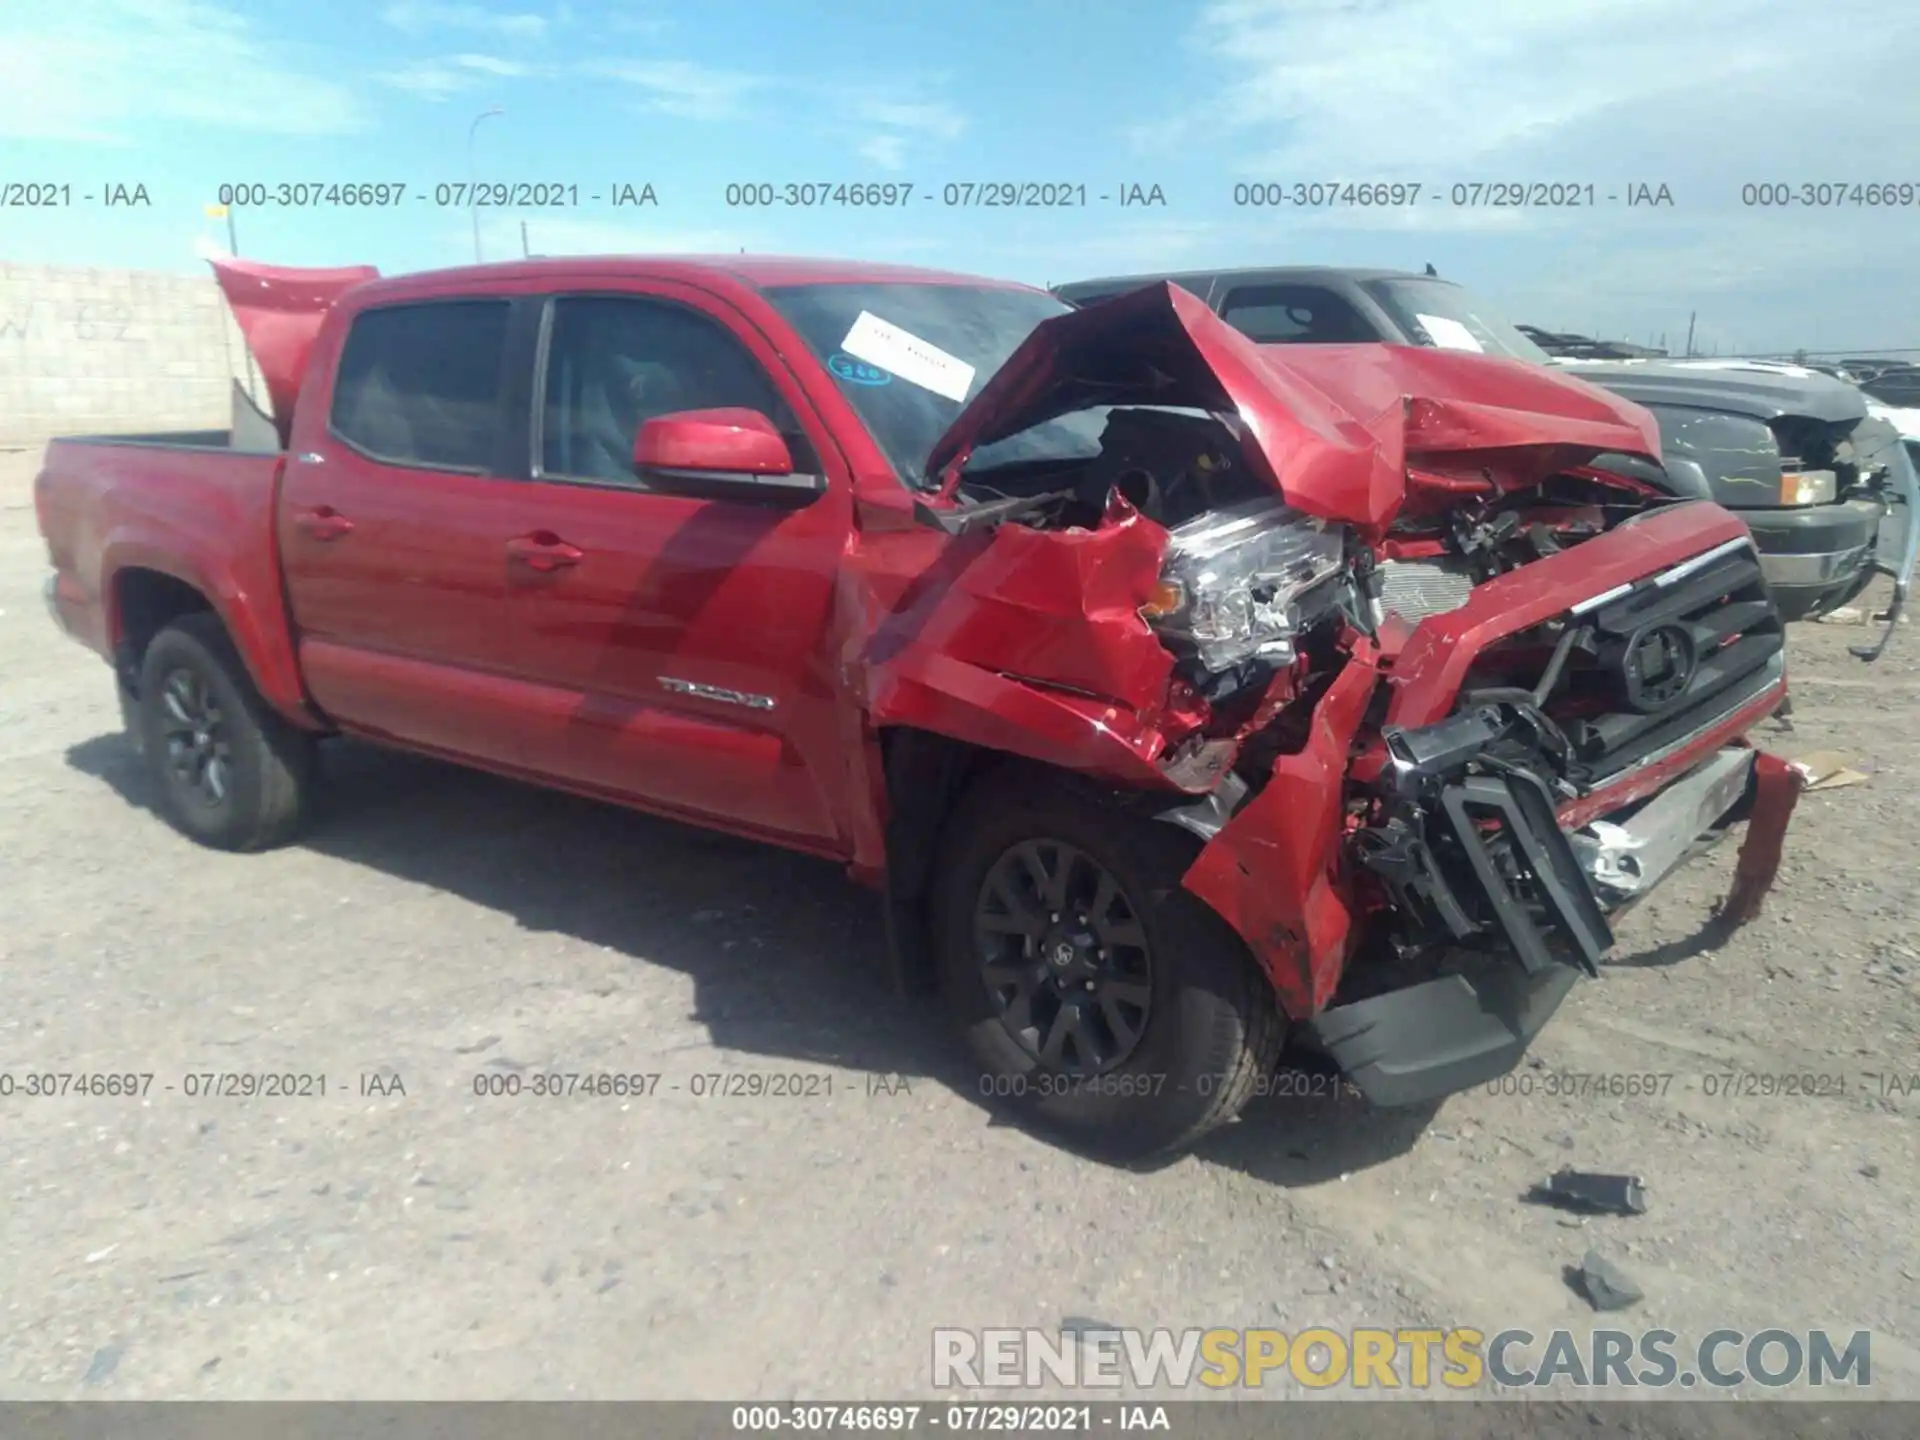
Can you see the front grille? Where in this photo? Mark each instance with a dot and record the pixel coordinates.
(1642, 669)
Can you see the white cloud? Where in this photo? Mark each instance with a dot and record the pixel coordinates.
(429, 79)
(921, 118)
(1434, 91)
(494, 65)
(647, 27)
(108, 70)
(418, 17)
(565, 235)
(1388, 86)
(1701, 95)
(684, 88)
(439, 79)
(1040, 255)
(888, 152)
(886, 128)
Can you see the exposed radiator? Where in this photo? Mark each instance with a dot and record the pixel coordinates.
(1415, 589)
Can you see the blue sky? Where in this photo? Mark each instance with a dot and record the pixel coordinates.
(1702, 96)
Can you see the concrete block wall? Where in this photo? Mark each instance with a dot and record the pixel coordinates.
(98, 351)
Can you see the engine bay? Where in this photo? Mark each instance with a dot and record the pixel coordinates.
(1173, 466)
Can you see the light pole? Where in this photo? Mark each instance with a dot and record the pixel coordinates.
(472, 197)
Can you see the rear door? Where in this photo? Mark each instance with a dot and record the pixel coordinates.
(682, 645)
(392, 528)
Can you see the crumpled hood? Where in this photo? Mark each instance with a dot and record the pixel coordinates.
(1332, 427)
(280, 309)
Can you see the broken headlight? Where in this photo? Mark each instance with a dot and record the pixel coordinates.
(1233, 580)
(1807, 487)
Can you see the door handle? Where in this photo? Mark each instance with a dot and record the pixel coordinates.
(545, 551)
(323, 522)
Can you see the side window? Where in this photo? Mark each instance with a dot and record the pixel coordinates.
(1294, 315)
(614, 362)
(420, 384)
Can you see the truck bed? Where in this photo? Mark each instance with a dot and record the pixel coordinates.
(123, 514)
(173, 440)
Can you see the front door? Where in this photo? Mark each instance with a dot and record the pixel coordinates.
(682, 642)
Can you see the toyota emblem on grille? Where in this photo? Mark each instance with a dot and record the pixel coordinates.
(1658, 666)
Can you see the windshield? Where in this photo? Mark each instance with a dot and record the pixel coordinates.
(908, 357)
(1447, 317)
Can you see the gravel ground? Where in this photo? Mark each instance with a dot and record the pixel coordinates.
(436, 925)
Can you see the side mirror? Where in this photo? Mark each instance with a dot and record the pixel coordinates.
(727, 454)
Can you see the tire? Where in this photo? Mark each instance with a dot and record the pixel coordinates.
(1211, 1030)
(265, 766)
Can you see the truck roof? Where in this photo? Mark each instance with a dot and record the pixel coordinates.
(1256, 274)
(758, 271)
(280, 309)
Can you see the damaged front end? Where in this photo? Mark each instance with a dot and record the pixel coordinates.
(1440, 699)
(1547, 753)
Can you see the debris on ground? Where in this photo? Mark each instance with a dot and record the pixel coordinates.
(1605, 1285)
(1828, 770)
(1592, 1192)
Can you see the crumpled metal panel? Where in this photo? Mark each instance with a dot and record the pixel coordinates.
(1777, 787)
(1273, 871)
(1332, 427)
(1033, 644)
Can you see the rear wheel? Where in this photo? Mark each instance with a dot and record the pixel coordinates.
(1102, 1001)
(228, 772)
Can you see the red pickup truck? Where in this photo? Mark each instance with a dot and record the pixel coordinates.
(1179, 694)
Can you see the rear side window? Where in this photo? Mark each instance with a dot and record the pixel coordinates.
(420, 384)
(1295, 315)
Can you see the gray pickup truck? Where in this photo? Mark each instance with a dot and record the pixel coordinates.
(1827, 489)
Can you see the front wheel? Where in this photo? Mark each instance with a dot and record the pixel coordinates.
(228, 771)
(1102, 1001)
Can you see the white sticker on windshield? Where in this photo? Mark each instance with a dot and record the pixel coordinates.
(1449, 334)
(914, 360)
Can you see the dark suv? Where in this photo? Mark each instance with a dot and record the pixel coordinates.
(1793, 452)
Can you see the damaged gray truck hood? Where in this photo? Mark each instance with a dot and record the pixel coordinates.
(1764, 392)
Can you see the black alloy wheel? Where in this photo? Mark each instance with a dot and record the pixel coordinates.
(1064, 954)
(198, 747)
(229, 772)
(1103, 1002)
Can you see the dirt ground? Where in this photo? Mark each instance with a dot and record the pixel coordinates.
(436, 926)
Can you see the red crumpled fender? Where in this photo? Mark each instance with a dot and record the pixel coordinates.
(280, 310)
(1273, 872)
(1031, 642)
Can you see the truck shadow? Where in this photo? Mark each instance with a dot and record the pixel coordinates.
(786, 954)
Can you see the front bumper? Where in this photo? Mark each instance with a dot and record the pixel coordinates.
(1360, 916)
(1415, 1045)
(1816, 557)
(1428, 1041)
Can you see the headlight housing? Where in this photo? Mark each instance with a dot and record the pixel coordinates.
(1233, 579)
(1808, 487)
